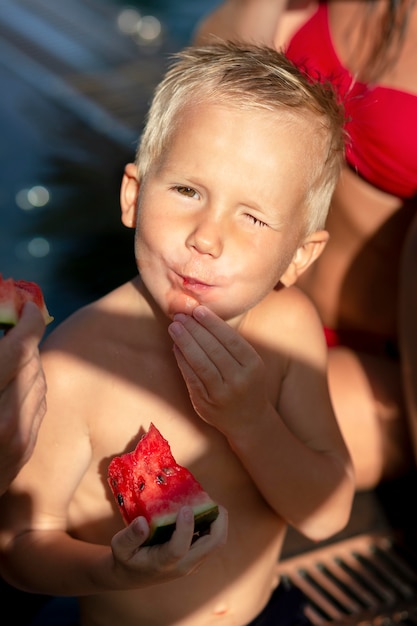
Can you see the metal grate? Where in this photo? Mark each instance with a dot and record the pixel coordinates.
(369, 580)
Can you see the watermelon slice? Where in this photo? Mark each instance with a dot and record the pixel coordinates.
(149, 482)
(13, 296)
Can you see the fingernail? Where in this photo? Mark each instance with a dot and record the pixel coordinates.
(175, 329)
(188, 514)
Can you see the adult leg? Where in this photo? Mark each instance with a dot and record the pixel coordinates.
(367, 396)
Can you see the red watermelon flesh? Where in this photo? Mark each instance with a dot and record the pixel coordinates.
(149, 482)
(13, 296)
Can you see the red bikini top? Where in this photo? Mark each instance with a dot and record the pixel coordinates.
(381, 121)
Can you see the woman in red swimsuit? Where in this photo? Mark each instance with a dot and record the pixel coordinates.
(365, 282)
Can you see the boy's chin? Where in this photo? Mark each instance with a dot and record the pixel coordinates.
(182, 303)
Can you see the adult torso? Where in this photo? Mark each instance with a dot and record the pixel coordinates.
(355, 282)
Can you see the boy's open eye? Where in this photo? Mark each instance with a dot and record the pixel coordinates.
(186, 191)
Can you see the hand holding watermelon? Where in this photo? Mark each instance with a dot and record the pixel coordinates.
(22, 392)
(13, 296)
(167, 561)
(166, 509)
(148, 482)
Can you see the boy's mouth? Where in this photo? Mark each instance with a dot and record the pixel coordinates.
(193, 285)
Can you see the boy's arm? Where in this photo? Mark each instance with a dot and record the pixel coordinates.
(37, 552)
(51, 562)
(294, 452)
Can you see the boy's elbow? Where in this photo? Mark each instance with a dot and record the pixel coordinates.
(323, 528)
(334, 515)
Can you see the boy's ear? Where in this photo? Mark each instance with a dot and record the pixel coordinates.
(129, 192)
(304, 256)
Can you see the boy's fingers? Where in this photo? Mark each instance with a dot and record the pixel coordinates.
(218, 531)
(128, 540)
(182, 537)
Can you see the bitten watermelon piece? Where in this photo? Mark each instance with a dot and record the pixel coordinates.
(13, 296)
(149, 482)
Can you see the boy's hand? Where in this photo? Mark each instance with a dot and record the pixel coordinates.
(141, 566)
(224, 375)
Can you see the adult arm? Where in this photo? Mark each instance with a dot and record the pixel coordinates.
(253, 21)
(22, 393)
(269, 22)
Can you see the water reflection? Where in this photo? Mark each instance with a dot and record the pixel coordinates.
(145, 30)
(75, 88)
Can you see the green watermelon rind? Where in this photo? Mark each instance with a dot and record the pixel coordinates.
(8, 317)
(161, 530)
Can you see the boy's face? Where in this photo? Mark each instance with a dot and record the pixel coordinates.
(220, 215)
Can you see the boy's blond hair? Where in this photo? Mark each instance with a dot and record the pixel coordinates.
(250, 77)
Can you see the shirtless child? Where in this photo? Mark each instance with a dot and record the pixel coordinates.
(229, 196)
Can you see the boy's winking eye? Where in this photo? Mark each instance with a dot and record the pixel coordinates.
(257, 221)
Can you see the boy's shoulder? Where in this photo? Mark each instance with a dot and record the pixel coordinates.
(288, 304)
(106, 317)
(286, 321)
(88, 344)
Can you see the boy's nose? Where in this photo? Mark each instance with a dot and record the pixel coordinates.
(207, 238)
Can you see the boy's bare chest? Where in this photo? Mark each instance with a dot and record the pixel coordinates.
(139, 385)
(125, 406)
(144, 388)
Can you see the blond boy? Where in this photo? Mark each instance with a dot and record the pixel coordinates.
(212, 343)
